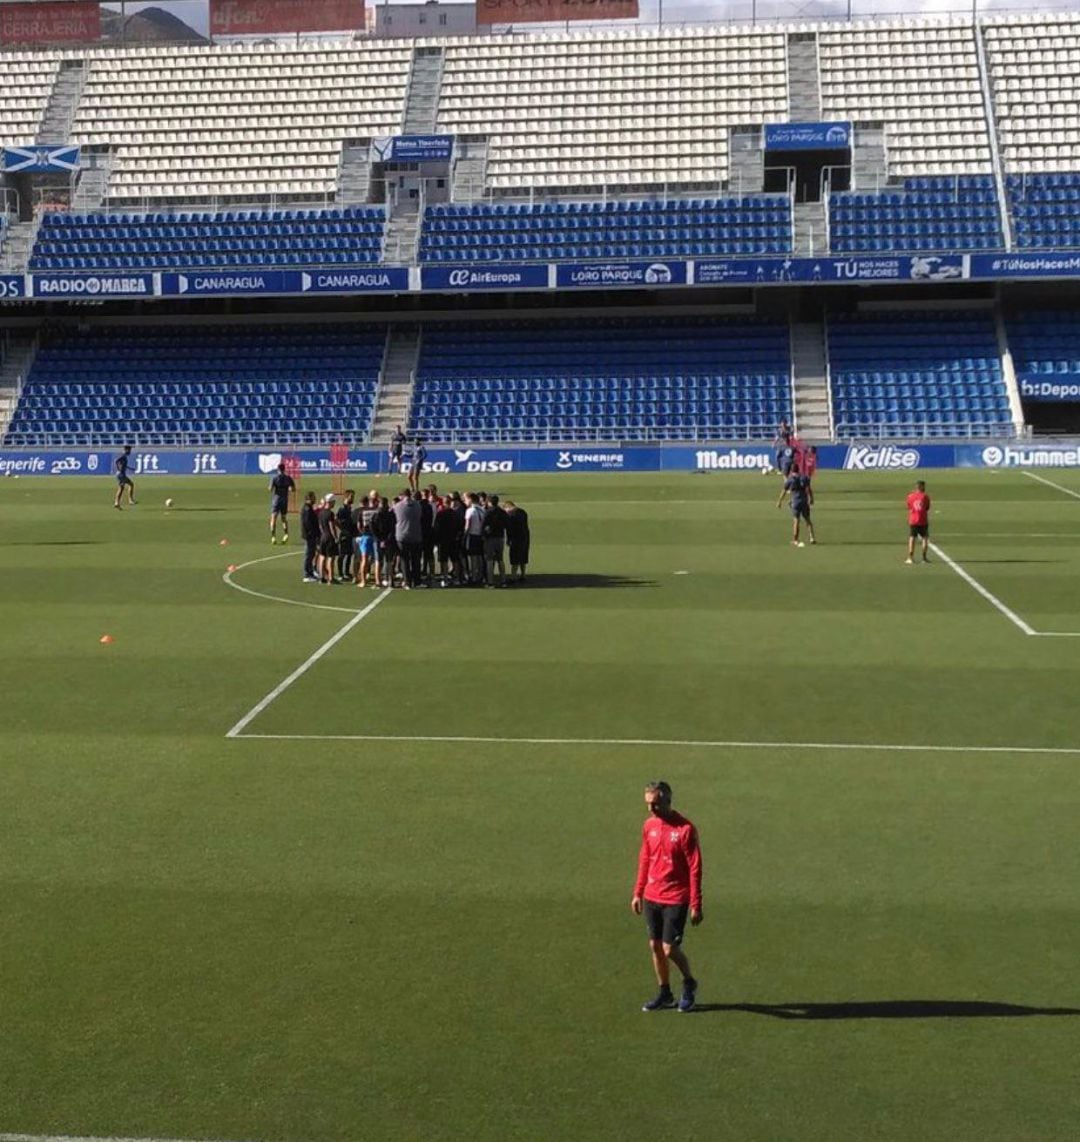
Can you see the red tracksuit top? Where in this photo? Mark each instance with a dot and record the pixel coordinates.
(669, 867)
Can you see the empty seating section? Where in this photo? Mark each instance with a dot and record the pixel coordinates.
(921, 79)
(26, 79)
(1045, 209)
(679, 380)
(267, 384)
(245, 238)
(237, 121)
(929, 213)
(904, 374)
(1034, 64)
(1045, 345)
(629, 108)
(621, 229)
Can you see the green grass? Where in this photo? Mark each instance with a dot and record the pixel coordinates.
(334, 940)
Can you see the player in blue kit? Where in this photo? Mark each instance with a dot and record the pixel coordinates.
(123, 480)
(797, 485)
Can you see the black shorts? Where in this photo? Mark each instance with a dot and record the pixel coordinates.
(801, 511)
(920, 529)
(665, 922)
(279, 506)
(328, 545)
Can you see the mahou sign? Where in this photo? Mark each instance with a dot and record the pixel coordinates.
(50, 23)
(553, 11)
(270, 17)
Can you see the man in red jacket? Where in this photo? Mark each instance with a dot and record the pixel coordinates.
(668, 885)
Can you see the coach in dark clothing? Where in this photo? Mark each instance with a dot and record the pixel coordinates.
(382, 527)
(309, 529)
(517, 537)
(409, 533)
(427, 531)
(347, 533)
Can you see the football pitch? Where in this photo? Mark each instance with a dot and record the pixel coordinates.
(294, 863)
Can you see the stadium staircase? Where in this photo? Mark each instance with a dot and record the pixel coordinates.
(746, 175)
(810, 382)
(16, 358)
(396, 381)
(422, 96)
(804, 84)
(93, 181)
(402, 233)
(869, 168)
(354, 175)
(59, 114)
(810, 236)
(470, 169)
(18, 242)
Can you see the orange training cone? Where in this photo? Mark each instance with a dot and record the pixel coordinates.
(106, 640)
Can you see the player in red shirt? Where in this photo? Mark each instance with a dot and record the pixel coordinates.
(918, 517)
(668, 885)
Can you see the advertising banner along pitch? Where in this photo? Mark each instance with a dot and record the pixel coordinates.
(553, 11)
(50, 23)
(269, 17)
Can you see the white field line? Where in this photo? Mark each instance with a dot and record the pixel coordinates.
(86, 1138)
(669, 744)
(991, 598)
(228, 578)
(306, 665)
(1051, 484)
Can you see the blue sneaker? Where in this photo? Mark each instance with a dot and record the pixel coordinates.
(664, 1001)
(689, 995)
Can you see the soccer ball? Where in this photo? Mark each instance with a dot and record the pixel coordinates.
(168, 503)
(764, 471)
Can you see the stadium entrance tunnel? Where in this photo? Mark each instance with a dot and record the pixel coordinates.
(811, 174)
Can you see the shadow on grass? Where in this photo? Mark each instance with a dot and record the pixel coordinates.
(55, 542)
(561, 582)
(891, 1009)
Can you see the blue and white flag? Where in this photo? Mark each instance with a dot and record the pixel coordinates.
(40, 159)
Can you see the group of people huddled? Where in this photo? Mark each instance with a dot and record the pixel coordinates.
(419, 540)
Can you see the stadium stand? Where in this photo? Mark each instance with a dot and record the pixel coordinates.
(231, 239)
(613, 108)
(615, 229)
(241, 121)
(603, 380)
(26, 79)
(1045, 345)
(903, 374)
(1045, 210)
(921, 79)
(235, 385)
(1034, 62)
(928, 214)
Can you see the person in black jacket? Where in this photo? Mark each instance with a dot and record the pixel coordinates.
(382, 527)
(517, 535)
(346, 521)
(495, 541)
(309, 529)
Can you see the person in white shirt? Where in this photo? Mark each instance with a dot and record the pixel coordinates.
(474, 539)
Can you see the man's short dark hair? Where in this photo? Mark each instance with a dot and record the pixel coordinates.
(493, 499)
(660, 787)
(281, 467)
(921, 485)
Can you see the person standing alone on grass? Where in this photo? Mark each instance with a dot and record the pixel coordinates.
(668, 886)
(123, 480)
(280, 487)
(517, 535)
(802, 496)
(396, 450)
(918, 517)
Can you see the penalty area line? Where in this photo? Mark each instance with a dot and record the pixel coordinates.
(989, 596)
(667, 743)
(303, 668)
